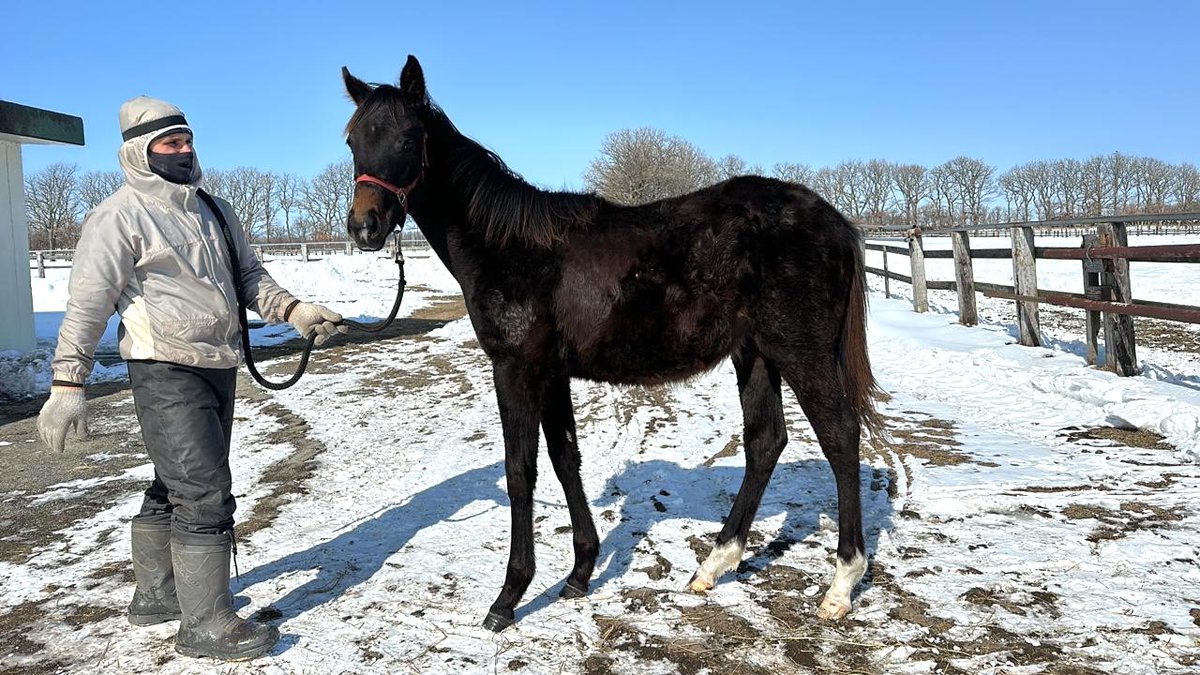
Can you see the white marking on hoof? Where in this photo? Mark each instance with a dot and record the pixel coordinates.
(836, 603)
(722, 559)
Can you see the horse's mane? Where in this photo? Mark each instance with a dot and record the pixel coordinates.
(507, 207)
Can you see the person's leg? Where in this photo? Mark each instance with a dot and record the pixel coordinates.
(150, 543)
(186, 416)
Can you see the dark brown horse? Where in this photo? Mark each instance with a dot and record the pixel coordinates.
(562, 285)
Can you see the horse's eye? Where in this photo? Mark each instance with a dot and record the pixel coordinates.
(408, 144)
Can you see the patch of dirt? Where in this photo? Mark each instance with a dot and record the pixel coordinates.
(690, 655)
(729, 450)
(932, 440)
(1133, 438)
(1132, 517)
(661, 568)
(81, 615)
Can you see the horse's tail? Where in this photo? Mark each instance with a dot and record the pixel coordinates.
(857, 380)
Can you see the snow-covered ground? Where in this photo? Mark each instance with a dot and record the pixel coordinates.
(1008, 535)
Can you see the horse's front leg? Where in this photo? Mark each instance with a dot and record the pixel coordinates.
(519, 393)
(558, 423)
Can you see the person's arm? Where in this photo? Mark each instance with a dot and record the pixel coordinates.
(102, 267)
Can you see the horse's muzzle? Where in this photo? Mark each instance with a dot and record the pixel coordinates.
(371, 233)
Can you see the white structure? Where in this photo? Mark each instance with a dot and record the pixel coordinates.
(22, 124)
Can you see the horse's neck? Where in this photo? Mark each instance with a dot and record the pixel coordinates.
(435, 234)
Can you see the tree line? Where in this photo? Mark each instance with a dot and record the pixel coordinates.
(637, 166)
(274, 207)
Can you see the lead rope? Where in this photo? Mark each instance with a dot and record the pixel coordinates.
(245, 324)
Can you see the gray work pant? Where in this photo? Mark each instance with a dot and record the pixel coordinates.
(186, 415)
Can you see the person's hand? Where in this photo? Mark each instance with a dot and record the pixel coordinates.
(65, 409)
(310, 319)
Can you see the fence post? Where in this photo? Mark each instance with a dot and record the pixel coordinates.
(258, 251)
(1093, 289)
(887, 281)
(41, 264)
(349, 249)
(964, 278)
(304, 252)
(1120, 354)
(1025, 283)
(916, 250)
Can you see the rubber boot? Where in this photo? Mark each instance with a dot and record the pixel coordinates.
(209, 626)
(154, 598)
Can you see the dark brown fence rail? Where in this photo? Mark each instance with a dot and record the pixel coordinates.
(1104, 256)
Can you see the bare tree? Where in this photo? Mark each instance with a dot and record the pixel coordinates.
(245, 188)
(216, 182)
(305, 228)
(844, 186)
(327, 199)
(1017, 185)
(1152, 181)
(877, 190)
(972, 185)
(796, 173)
(1094, 186)
(944, 192)
(53, 206)
(1121, 182)
(732, 166)
(1185, 187)
(637, 166)
(911, 182)
(96, 186)
(269, 183)
(288, 196)
(1067, 178)
(825, 183)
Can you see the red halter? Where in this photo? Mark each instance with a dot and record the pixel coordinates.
(400, 192)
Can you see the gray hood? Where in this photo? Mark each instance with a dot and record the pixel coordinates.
(144, 111)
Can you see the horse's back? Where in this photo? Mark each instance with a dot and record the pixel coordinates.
(664, 290)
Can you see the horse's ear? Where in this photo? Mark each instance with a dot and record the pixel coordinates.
(356, 88)
(412, 81)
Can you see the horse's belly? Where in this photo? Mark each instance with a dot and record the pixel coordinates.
(648, 352)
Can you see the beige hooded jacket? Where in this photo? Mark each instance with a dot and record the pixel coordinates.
(155, 254)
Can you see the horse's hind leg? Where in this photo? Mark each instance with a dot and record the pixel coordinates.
(558, 423)
(765, 436)
(821, 395)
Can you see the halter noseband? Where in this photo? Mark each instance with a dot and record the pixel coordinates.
(400, 192)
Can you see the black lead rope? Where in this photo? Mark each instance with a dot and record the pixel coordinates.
(245, 324)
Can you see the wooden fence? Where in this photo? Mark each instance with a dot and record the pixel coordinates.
(1104, 258)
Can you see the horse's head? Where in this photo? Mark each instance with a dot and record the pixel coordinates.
(387, 141)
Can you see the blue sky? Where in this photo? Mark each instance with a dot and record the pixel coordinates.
(542, 83)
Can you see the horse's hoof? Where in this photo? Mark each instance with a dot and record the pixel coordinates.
(496, 623)
(571, 591)
(832, 610)
(698, 585)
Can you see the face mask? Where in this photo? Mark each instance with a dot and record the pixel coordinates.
(175, 167)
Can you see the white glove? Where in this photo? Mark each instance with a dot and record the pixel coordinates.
(309, 319)
(65, 409)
